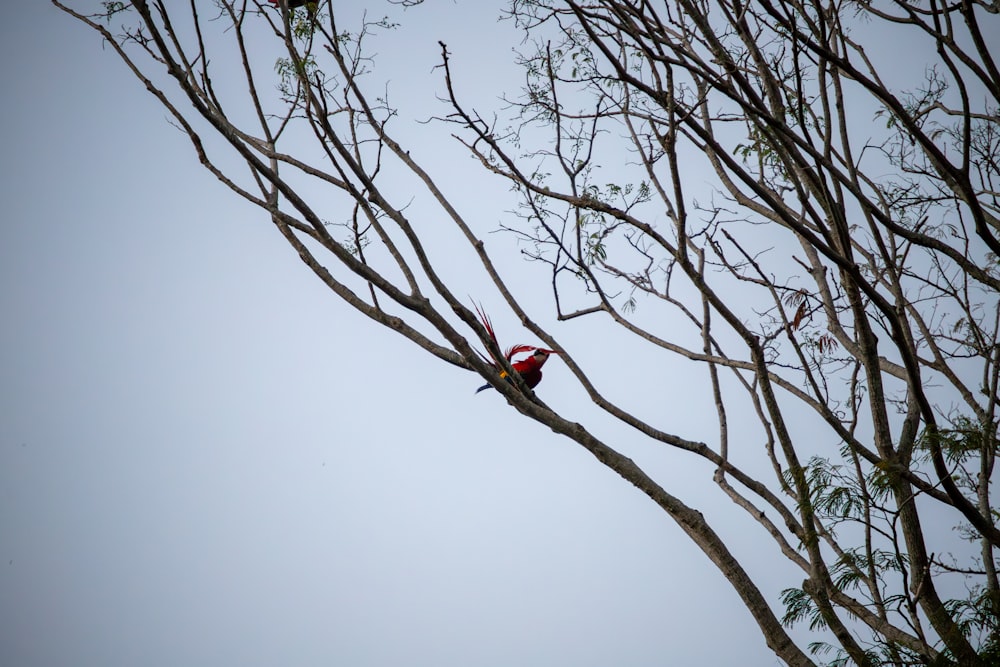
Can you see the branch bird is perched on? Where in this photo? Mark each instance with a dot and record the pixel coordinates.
(530, 368)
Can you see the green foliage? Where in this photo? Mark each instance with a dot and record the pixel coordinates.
(853, 565)
(978, 617)
(799, 606)
(292, 76)
(840, 659)
(114, 7)
(965, 438)
(833, 490)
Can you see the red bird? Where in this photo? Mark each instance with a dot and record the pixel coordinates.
(530, 368)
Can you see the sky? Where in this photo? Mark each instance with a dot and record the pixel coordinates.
(207, 459)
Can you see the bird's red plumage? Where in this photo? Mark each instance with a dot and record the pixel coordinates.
(530, 370)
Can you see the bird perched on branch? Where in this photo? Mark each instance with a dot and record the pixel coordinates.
(530, 368)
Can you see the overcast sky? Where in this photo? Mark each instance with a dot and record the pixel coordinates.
(207, 459)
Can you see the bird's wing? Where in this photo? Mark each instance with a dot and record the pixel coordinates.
(523, 365)
(518, 349)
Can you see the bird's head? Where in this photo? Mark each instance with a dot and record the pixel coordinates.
(541, 354)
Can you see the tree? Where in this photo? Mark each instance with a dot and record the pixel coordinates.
(706, 177)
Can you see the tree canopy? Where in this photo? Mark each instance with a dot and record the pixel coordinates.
(799, 199)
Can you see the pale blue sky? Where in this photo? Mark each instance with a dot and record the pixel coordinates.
(207, 459)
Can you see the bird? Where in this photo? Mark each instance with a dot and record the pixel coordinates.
(529, 368)
(292, 4)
